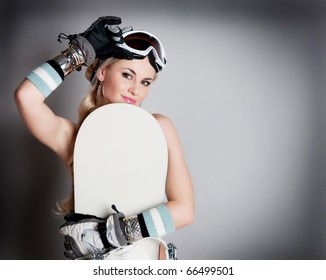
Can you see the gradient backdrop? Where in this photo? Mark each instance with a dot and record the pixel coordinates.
(245, 87)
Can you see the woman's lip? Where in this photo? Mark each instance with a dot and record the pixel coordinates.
(129, 100)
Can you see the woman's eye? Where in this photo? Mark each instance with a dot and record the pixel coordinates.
(126, 75)
(146, 83)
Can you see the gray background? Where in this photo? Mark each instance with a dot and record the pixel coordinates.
(244, 86)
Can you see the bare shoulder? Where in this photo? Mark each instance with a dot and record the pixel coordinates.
(169, 130)
(164, 121)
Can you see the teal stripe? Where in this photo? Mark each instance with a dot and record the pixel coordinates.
(166, 218)
(53, 73)
(43, 83)
(40, 84)
(150, 224)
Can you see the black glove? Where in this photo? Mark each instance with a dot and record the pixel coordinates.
(101, 39)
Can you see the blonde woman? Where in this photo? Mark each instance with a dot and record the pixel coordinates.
(121, 67)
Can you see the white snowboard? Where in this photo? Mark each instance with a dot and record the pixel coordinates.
(120, 158)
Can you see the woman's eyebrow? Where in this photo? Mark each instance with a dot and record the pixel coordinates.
(132, 71)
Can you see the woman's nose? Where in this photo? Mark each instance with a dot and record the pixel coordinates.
(134, 89)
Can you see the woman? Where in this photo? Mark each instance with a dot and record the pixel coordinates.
(121, 68)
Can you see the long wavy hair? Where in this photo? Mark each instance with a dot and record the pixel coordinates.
(92, 101)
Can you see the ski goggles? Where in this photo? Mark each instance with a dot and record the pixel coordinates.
(141, 44)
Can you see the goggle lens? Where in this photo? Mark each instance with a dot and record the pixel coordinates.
(141, 44)
(142, 41)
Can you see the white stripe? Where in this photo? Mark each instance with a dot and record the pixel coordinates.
(44, 75)
(157, 219)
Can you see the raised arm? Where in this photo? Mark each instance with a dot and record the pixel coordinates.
(53, 131)
(98, 41)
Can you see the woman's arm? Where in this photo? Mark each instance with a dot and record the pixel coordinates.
(56, 132)
(179, 188)
(53, 131)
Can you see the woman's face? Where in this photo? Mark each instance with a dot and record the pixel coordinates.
(126, 81)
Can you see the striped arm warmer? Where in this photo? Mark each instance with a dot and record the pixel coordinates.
(47, 77)
(156, 222)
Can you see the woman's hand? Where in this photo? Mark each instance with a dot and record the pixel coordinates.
(100, 40)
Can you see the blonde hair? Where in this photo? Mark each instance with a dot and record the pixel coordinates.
(91, 102)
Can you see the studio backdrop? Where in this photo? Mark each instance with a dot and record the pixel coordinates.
(245, 87)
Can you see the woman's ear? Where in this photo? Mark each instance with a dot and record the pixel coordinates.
(100, 74)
